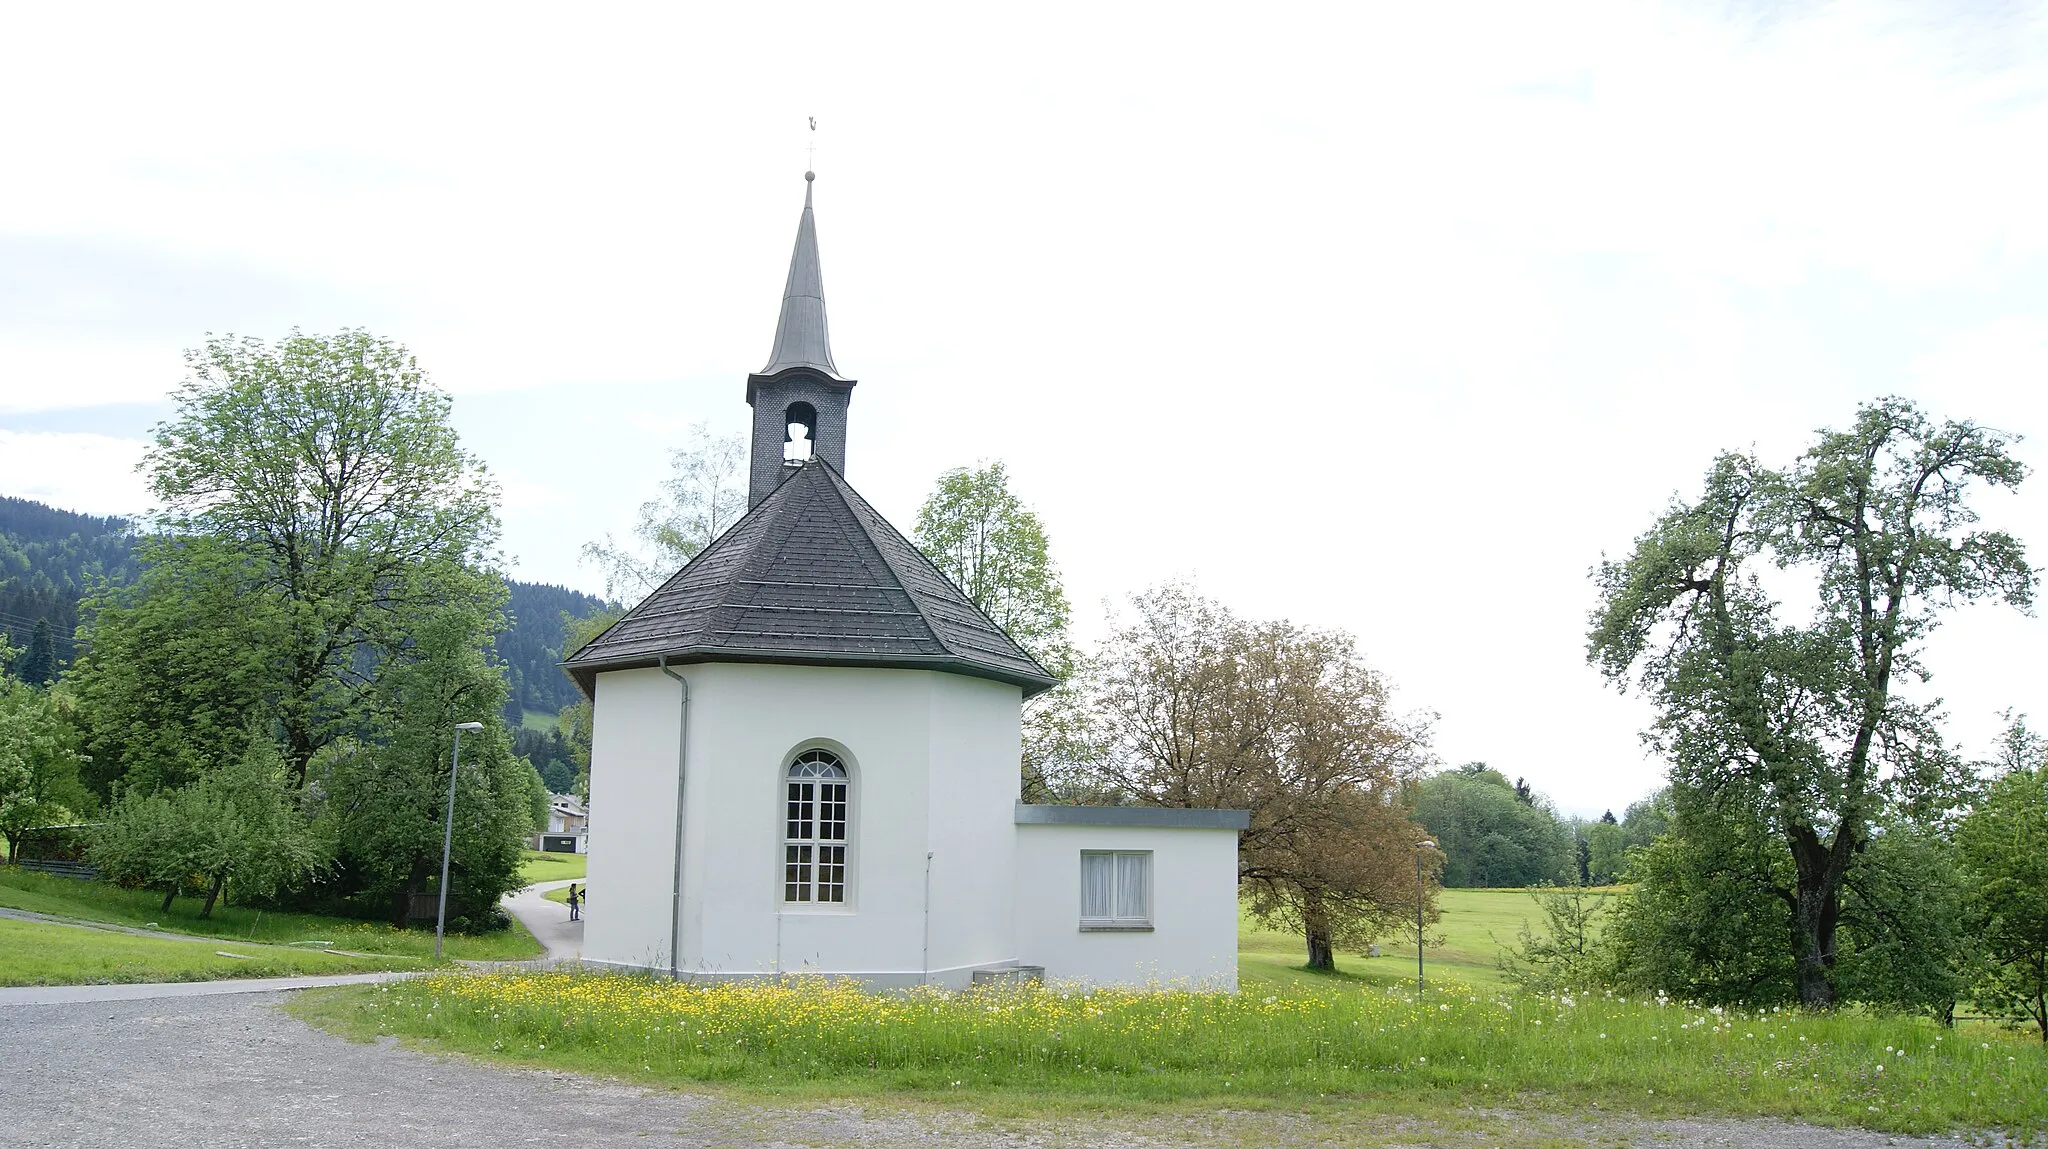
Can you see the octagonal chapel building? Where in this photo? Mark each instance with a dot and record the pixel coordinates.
(805, 753)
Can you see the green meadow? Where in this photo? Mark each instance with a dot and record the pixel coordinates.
(1289, 1038)
(1464, 945)
(39, 953)
(104, 902)
(1321, 1042)
(541, 867)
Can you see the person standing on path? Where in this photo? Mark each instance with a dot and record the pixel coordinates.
(573, 903)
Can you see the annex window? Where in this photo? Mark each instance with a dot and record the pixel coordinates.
(814, 830)
(1116, 889)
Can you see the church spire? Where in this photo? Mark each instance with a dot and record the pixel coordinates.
(801, 386)
(801, 337)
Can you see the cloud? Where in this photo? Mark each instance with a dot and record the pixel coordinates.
(92, 474)
(1384, 317)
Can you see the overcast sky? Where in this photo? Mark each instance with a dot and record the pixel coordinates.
(1390, 317)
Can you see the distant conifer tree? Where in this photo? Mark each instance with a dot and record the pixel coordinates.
(39, 663)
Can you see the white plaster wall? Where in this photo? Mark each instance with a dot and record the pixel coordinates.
(976, 743)
(751, 721)
(634, 729)
(1194, 907)
(934, 765)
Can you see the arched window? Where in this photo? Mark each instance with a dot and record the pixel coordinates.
(814, 830)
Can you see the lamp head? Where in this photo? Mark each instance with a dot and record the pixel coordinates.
(472, 727)
(1425, 844)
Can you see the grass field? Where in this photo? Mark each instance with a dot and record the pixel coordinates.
(1328, 1042)
(538, 720)
(1289, 1040)
(540, 867)
(35, 953)
(1468, 939)
(102, 902)
(1466, 945)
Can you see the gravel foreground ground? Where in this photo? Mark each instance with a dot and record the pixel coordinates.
(236, 1071)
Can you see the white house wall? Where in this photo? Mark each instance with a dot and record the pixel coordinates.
(933, 763)
(633, 739)
(1194, 907)
(976, 743)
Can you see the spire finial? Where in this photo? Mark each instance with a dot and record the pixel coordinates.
(800, 332)
(811, 162)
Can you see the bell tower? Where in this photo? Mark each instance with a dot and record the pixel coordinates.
(800, 387)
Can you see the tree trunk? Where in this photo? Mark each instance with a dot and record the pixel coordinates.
(1315, 920)
(1816, 910)
(298, 756)
(2041, 995)
(401, 910)
(168, 895)
(220, 879)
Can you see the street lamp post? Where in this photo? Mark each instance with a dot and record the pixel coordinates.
(448, 834)
(1425, 844)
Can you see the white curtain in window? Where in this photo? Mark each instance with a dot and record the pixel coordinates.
(1130, 887)
(1097, 880)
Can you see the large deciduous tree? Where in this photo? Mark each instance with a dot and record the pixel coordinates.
(1800, 710)
(705, 493)
(181, 662)
(318, 481)
(39, 759)
(1489, 835)
(1606, 850)
(1199, 708)
(241, 825)
(385, 802)
(994, 547)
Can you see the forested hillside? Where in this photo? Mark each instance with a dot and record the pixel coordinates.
(50, 558)
(532, 645)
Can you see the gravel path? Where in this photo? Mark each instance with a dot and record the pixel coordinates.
(16, 995)
(232, 1071)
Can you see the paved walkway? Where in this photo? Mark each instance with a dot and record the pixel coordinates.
(548, 921)
(144, 990)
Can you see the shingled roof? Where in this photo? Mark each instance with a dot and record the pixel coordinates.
(813, 575)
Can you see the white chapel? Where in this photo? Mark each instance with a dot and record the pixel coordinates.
(805, 754)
